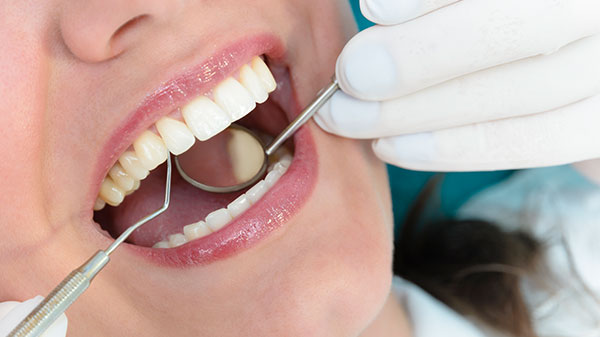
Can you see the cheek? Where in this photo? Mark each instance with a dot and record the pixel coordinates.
(24, 84)
(342, 264)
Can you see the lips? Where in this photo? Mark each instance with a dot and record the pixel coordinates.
(266, 215)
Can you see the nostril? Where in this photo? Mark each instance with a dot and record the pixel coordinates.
(130, 25)
(125, 33)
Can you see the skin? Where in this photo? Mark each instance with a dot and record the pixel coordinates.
(70, 75)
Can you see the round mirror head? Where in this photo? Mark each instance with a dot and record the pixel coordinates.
(227, 162)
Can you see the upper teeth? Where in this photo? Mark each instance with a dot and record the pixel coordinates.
(203, 118)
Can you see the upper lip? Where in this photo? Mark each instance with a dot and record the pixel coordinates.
(192, 81)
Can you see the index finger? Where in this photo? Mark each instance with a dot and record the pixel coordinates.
(385, 62)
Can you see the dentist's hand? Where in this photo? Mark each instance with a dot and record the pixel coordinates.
(11, 314)
(447, 85)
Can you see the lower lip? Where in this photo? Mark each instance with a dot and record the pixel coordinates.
(270, 213)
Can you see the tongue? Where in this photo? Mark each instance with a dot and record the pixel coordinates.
(188, 205)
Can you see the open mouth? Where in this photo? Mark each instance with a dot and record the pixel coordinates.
(201, 226)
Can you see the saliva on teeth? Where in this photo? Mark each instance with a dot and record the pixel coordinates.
(203, 118)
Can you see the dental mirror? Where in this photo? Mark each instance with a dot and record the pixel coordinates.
(237, 158)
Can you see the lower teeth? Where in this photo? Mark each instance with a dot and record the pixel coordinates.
(221, 217)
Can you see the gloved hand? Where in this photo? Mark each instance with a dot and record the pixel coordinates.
(11, 314)
(446, 85)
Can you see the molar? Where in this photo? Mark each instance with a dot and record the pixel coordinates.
(111, 193)
(286, 161)
(150, 149)
(177, 136)
(121, 178)
(99, 204)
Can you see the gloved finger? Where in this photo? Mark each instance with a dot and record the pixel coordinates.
(522, 87)
(566, 135)
(14, 312)
(392, 12)
(385, 62)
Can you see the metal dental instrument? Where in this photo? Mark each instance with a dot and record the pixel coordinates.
(263, 153)
(40, 319)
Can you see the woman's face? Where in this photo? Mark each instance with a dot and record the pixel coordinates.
(81, 80)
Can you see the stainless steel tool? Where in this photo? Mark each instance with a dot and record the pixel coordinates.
(79, 279)
(251, 142)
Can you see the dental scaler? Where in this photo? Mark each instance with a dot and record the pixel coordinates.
(73, 286)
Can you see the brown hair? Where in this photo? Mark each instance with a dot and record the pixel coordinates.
(473, 266)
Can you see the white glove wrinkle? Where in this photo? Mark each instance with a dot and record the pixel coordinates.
(564, 135)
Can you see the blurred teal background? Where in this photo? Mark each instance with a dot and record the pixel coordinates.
(456, 188)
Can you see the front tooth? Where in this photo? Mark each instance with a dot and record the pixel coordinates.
(196, 230)
(132, 165)
(177, 136)
(254, 84)
(150, 149)
(217, 219)
(176, 240)
(233, 98)
(111, 193)
(257, 191)
(99, 204)
(272, 177)
(121, 178)
(239, 205)
(205, 118)
(263, 72)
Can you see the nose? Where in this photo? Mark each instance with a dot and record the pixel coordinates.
(98, 30)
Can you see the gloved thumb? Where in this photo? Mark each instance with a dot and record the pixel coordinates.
(368, 66)
(12, 313)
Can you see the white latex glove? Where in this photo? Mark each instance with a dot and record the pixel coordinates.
(11, 314)
(447, 85)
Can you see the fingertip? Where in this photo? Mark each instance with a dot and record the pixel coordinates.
(367, 69)
(347, 116)
(323, 118)
(390, 12)
(415, 151)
